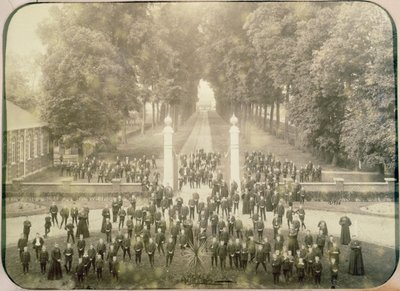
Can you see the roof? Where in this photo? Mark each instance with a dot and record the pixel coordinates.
(18, 118)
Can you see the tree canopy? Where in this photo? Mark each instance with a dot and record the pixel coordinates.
(329, 64)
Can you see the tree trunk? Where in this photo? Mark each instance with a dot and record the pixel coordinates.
(278, 118)
(286, 114)
(271, 117)
(265, 117)
(143, 117)
(157, 112)
(124, 139)
(153, 112)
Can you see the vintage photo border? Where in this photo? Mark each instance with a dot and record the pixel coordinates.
(9, 7)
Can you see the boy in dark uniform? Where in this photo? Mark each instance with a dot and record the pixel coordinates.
(126, 246)
(54, 211)
(68, 255)
(170, 252)
(80, 271)
(43, 259)
(151, 248)
(22, 243)
(25, 260)
(81, 244)
(27, 228)
(317, 268)
(99, 267)
(276, 268)
(47, 225)
(69, 227)
(138, 250)
(260, 258)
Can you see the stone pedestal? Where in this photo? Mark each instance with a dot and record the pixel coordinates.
(339, 184)
(116, 185)
(391, 184)
(168, 178)
(234, 150)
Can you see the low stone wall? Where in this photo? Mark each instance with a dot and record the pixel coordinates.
(68, 186)
(353, 176)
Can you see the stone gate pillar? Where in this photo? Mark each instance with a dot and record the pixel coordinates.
(234, 150)
(168, 153)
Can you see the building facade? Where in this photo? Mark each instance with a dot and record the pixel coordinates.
(28, 144)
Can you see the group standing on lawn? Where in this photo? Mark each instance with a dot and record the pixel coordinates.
(166, 225)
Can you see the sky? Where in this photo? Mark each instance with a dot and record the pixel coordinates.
(205, 93)
(22, 38)
(23, 41)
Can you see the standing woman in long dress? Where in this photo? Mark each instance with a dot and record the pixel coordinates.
(246, 202)
(82, 224)
(345, 238)
(55, 271)
(356, 263)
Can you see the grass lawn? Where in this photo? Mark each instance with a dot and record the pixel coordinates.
(379, 265)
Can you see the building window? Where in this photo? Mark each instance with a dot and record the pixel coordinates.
(41, 140)
(35, 145)
(29, 143)
(13, 152)
(21, 149)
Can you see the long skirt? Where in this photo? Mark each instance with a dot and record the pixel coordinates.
(356, 263)
(55, 271)
(82, 228)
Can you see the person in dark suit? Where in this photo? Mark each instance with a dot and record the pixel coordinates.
(222, 252)
(69, 227)
(25, 260)
(81, 244)
(68, 255)
(27, 227)
(80, 271)
(22, 242)
(214, 252)
(276, 268)
(317, 270)
(54, 212)
(99, 267)
(170, 248)
(260, 258)
(37, 243)
(138, 250)
(43, 259)
(64, 212)
(151, 248)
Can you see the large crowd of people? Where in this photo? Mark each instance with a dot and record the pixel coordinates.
(139, 170)
(269, 169)
(230, 223)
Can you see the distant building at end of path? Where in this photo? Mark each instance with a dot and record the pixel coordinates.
(28, 143)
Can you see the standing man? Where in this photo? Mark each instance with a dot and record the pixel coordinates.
(68, 255)
(151, 248)
(22, 243)
(69, 227)
(27, 228)
(54, 212)
(260, 258)
(37, 243)
(170, 252)
(81, 244)
(64, 216)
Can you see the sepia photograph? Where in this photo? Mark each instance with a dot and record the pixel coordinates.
(200, 145)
